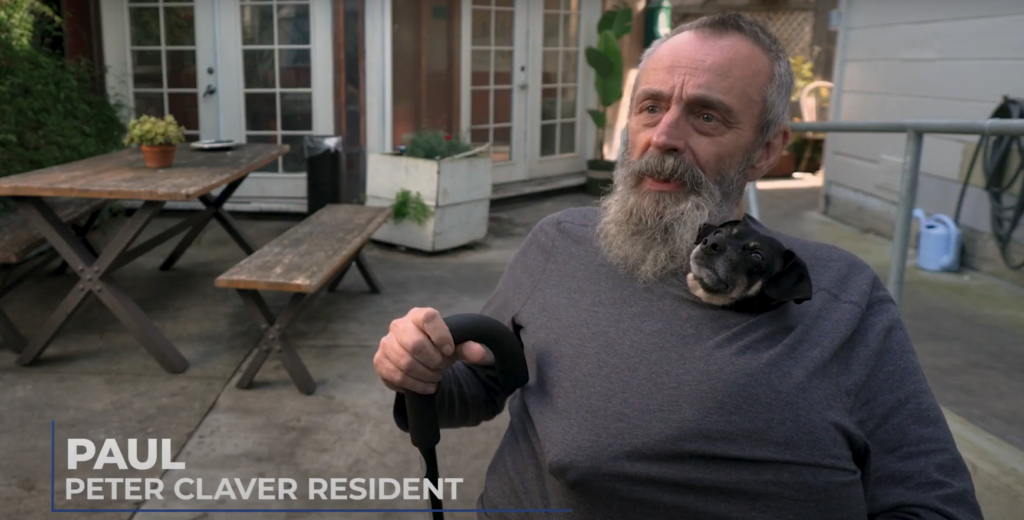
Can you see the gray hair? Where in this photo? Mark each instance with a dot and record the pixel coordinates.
(780, 86)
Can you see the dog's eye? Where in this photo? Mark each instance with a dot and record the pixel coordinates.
(756, 255)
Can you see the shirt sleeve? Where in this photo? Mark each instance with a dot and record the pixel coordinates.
(912, 467)
(469, 394)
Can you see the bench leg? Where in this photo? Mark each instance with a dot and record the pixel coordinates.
(273, 340)
(9, 335)
(364, 269)
(95, 280)
(214, 210)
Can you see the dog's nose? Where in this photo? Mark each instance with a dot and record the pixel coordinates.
(714, 244)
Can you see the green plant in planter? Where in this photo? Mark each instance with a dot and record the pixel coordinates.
(435, 144)
(606, 60)
(409, 206)
(157, 137)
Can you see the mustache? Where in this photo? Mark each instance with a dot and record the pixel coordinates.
(665, 168)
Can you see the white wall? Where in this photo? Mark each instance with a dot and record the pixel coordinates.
(921, 59)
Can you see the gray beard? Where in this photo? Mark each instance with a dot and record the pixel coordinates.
(651, 234)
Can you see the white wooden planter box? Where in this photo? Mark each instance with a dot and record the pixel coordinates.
(458, 192)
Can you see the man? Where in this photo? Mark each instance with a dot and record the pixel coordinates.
(645, 402)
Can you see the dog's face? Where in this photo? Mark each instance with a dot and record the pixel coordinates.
(734, 265)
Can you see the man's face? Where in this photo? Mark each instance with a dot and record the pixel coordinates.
(693, 144)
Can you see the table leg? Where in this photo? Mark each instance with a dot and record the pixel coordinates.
(273, 340)
(214, 210)
(95, 274)
(83, 233)
(10, 337)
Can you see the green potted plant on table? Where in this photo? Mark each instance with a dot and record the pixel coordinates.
(606, 60)
(439, 190)
(158, 138)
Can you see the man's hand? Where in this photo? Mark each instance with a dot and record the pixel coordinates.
(417, 348)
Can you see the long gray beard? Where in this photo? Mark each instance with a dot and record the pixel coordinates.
(651, 233)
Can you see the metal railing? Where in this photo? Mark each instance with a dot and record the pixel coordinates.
(915, 131)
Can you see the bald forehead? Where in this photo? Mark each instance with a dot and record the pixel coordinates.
(730, 65)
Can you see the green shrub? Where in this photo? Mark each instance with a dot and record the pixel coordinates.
(434, 144)
(408, 206)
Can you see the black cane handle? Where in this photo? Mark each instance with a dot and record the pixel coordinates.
(509, 361)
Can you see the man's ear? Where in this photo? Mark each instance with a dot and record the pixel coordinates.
(769, 154)
(705, 230)
(793, 282)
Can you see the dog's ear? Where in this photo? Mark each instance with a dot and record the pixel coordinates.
(705, 230)
(792, 282)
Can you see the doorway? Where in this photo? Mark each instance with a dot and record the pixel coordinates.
(250, 71)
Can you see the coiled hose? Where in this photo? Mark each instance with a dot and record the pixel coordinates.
(510, 364)
(1005, 209)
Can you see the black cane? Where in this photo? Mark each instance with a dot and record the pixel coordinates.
(510, 364)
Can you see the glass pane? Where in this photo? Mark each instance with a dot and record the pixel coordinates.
(501, 149)
(551, 27)
(482, 2)
(568, 103)
(552, 4)
(294, 65)
(293, 25)
(502, 106)
(479, 136)
(145, 23)
(149, 104)
(296, 111)
(569, 65)
(549, 104)
(480, 108)
(259, 68)
(502, 67)
(257, 25)
(547, 139)
(504, 3)
(147, 71)
(567, 141)
(294, 161)
(503, 28)
(181, 69)
(549, 69)
(185, 108)
(481, 68)
(570, 30)
(260, 112)
(482, 27)
(271, 139)
(179, 26)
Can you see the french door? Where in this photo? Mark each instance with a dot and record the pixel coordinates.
(246, 70)
(522, 84)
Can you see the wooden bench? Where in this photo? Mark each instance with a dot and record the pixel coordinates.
(23, 251)
(305, 261)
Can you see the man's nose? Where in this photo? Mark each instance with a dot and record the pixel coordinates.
(669, 135)
(714, 244)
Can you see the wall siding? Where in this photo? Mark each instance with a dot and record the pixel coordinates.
(921, 59)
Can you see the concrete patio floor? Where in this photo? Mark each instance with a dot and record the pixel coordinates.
(96, 382)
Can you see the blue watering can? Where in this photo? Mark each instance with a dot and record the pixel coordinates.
(938, 247)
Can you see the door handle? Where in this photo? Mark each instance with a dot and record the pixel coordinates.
(210, 89)
(522, 86)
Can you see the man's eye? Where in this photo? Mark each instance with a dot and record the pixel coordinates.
(650, 109)
(707, 118)
(756, 256)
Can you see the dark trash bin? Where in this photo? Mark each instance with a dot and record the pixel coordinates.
(325, 169)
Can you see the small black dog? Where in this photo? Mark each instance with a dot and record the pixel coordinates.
(737, 267)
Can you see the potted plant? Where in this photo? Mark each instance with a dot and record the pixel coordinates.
(158, 138)
(439, 190)
(606, 60)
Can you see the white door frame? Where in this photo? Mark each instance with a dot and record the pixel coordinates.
(218, 41)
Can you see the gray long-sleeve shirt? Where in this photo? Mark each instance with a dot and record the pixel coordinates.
(644, 403)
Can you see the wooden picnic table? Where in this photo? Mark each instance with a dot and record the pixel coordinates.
(122, 175)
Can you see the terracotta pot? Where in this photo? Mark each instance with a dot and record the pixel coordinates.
(159, 156)
(784, 168)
